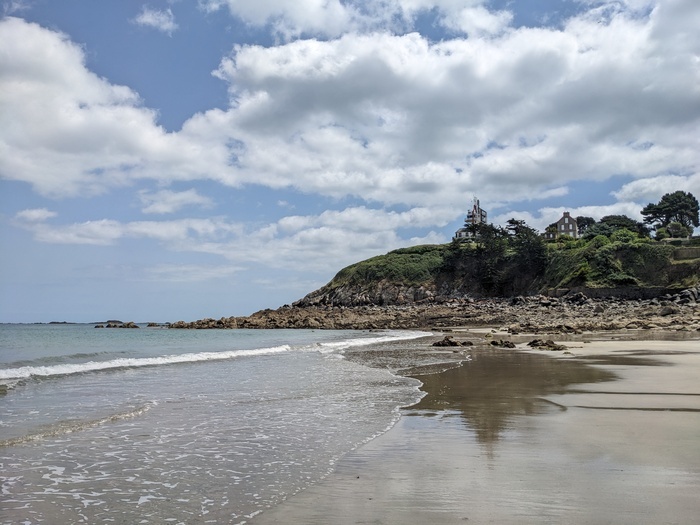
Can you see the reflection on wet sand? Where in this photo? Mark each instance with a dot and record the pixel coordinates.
(624, 360)
(496, 385)
(504, 439)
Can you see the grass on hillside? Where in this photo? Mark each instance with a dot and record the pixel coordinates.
(415, 265)
(622, 259)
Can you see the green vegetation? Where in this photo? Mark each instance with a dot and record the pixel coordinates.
(516, 260)
(623, 259)
(609, 224)
(615, 251)
(416, 265)
(674, 215)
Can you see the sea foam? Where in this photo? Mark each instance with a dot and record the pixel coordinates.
(354, 343)
(26, 372)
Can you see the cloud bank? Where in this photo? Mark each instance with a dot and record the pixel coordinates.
(390, 118)
(354, 103)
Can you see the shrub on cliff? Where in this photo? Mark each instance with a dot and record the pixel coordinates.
(504, 262)
(499, 262)
(415, 265)
(625, 260)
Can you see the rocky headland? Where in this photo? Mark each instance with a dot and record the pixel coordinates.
(517, 282)
(571, 313)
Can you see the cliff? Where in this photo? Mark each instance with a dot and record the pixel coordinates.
(441, 273)
(516, 281)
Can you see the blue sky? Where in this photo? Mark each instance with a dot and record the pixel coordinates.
(178, 159)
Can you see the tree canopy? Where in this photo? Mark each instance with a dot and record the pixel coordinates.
(612, 223)
(679, 206)
(584, 223)
(619, 222)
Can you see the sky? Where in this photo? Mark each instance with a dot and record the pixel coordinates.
(182, 159)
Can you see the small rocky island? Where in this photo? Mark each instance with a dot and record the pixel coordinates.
(117, 324)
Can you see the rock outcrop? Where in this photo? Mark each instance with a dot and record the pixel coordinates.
(449, 341)
(117, 324)
(546, 345)
(379, 293)
(537, 314)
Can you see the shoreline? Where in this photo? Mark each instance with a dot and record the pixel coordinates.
(572, 313)
(605, 434)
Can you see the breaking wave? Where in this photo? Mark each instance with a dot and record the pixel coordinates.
(353, 343)
(27, 372)
(10, 375)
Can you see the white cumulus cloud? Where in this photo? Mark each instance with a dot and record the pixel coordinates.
(330, 239)
(69, 132)
(396, 118)
(393, 120)
(160, 19)
(166, 201)
(35, 215)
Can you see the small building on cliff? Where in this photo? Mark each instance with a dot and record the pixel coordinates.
(567, 225)
(475, 216)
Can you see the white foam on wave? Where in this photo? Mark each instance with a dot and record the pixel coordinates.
(67, 427)
(387, 337)
(26, 372)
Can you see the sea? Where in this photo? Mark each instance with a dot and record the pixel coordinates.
(165, 426)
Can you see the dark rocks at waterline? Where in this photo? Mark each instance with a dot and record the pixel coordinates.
(118, 324)
(448, 341)
(503, 343)
(546, 345)
(208, 323)
(569, 314)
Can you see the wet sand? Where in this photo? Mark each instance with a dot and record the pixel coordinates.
(610, 434)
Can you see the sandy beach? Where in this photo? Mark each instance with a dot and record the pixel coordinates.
(606, 432)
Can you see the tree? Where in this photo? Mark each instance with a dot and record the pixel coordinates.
(679, 206)
(676, 230)
(612, 223)
(624, 235)
(530, 250)
(599, 228)
(492, 242)
(661, 234)
(584, 223)
(619, 222)
(515, 226)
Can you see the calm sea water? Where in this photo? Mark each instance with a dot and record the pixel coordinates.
(179, 426)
